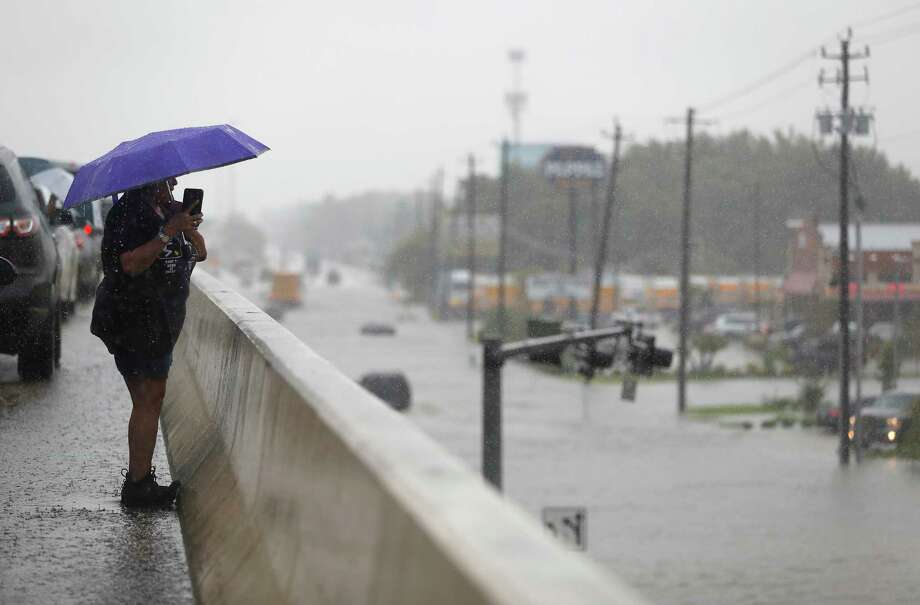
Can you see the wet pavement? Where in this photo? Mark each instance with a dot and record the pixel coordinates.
(686, 511)
(64, 537)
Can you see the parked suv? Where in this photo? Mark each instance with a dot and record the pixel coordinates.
(29, 312)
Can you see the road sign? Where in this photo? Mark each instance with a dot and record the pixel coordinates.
(569, 524)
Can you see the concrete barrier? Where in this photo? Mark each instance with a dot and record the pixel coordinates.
(301, 487)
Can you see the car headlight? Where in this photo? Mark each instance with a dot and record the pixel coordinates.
(893, 423)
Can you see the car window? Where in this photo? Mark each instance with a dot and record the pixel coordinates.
(7, 190)
(896, 402)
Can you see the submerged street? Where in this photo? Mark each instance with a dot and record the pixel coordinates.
(685, 511)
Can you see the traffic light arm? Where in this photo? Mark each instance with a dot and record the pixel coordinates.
(549, 344)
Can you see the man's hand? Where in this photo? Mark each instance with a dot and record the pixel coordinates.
(181, 221)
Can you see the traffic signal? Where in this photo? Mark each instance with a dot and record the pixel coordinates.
(591, 358)
(644, 357)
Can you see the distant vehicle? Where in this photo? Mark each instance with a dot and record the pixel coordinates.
(881, 330)
(391, 387)
(378, 329)
(736, 325)
(88, 226)
(333, 277)
(68, 275)
(828, 416)
(285, 290)
(820, 355)
(29, 305)
(791, 331)
(885, 420)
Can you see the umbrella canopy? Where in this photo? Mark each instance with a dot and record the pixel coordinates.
(159, 156)
(56, 180)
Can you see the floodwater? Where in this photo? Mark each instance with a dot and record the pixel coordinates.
(64, 537)
(685, 511)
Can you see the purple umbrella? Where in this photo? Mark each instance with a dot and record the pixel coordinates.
(159, 156)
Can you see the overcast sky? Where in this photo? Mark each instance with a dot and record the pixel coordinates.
(358, 95)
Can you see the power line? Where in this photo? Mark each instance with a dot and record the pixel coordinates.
(889, 15)
(769, 100)
(760, 82)
(799, 60)
(893, 35)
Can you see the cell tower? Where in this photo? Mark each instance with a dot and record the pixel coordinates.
(516, 98)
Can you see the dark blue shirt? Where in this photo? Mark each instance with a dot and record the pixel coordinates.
(145, 312)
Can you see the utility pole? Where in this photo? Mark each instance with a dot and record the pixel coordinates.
(605, 223)
(471, 245)
(502, 235)
(843, 78)
(896, 341)
(685, 269)
(573, 246)
(756, 219)
(860, 331)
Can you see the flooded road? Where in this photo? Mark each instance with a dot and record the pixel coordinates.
(687, 512)
(64, 537)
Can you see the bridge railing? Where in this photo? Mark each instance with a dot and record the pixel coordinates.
(299, 486)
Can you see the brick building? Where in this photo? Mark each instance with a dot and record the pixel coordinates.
(891, 264)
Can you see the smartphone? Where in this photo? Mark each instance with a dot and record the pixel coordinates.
(192, 200)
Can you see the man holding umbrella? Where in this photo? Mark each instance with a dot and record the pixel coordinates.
(149, 249)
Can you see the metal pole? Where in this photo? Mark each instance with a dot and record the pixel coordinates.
(605, 226)
(844, 256)
(573, 247)
(492, 411)
(502, 236)
(859, 311)
(896, 353)
(685, 270)
(757, 308)
(471, 247)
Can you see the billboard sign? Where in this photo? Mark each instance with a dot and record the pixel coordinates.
(573, 164)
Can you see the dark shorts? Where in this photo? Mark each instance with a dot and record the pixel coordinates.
(135, 364)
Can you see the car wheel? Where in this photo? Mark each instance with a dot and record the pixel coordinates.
(36, 359)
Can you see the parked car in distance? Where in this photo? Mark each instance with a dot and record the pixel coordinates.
(881, 330)
(735, 325)
(828, 415)
(790, 331)
(29, 311)
(88, 226)
(61, 222)
(885, 420)
(373, 328)
(821, 355)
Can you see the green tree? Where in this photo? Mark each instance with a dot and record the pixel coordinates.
(706, 346)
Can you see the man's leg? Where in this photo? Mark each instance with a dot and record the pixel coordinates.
(147, 398)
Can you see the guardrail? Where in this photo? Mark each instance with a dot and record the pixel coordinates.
(299, 486)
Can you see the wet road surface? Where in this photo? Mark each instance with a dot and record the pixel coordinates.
(64, 537)
(687, 512)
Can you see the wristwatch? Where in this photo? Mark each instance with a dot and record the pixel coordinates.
(163, 236)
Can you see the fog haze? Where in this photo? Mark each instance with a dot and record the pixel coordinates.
(354, 96)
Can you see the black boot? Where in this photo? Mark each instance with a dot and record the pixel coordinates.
(147, 492)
